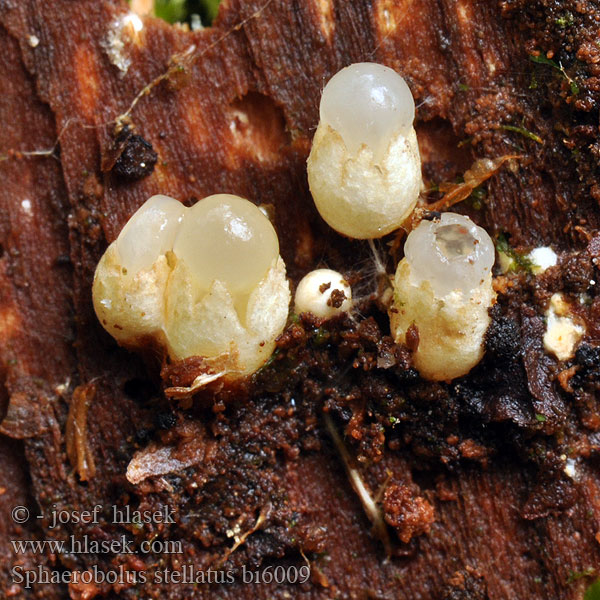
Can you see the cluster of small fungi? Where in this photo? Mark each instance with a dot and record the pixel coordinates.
(208, 281)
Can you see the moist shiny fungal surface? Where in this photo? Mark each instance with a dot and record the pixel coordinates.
(228, 238)
(452, 253)
(149, 233)
(204, 281)
(367, 103)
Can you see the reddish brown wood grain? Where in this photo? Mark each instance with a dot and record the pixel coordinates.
(238, 117)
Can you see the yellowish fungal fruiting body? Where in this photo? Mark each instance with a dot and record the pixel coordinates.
(443, 290)
(364, 168)
(324, 293)
(206, 281)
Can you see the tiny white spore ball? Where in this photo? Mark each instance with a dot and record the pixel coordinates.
(364, 168)
(443, 290)
(315, 294)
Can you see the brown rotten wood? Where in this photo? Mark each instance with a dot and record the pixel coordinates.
(233, 109)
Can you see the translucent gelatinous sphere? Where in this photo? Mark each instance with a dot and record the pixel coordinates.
(452, 253)
(149, 233)
(228, 238)
(367, 103)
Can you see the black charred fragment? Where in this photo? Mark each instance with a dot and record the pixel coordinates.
(165, 420)
(588, 356)
(497, 389)
(137, 160)
(538, 365)
(503, 339)
(588, 359)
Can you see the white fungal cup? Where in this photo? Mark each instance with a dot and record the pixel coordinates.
(364, 169)
(443, 290)
(205, 281)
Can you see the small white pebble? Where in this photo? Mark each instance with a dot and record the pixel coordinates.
(26, 206)
(116, 44)
(314, 292)
(33, 41)
(542, 258)
(570, 469)
(62, 388)
(196, 23)
(562, 333)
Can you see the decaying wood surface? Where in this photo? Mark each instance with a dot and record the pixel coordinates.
(233, 109)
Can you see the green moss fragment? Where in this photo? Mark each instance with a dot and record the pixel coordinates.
(171, 11)
(543, 60)
(477, 198)
(514, 261)
(577, 575)
(180, 11)
(533, 84)
(321, 336)
(566, 20)
(574, 87)
(593, 592)
(524, 132)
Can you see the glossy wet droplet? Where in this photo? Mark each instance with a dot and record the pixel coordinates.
(149, 233)
(452, 253)
(367, 103)
(227, 238)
